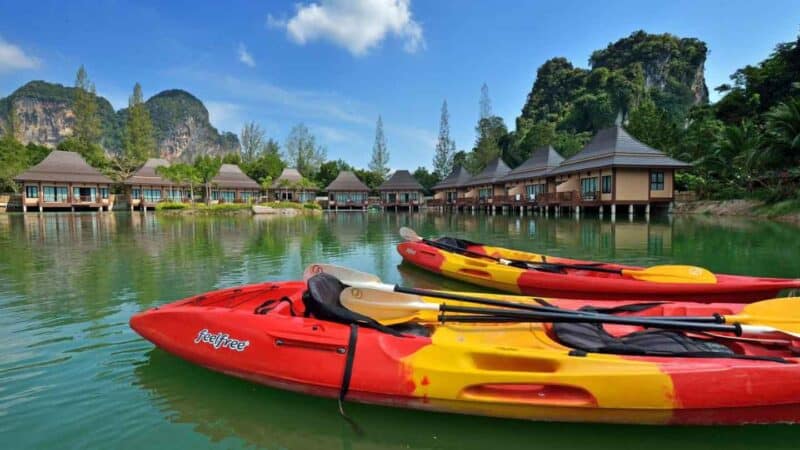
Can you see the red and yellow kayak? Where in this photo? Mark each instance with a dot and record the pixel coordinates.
(577, 283)
(513, 370)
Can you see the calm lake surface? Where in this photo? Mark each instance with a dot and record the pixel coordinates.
(74, 375)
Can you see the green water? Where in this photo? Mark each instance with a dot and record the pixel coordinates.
(73, 375)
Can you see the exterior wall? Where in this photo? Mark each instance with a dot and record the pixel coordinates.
(415, 197)
(633, 185)
(70, 199)
(569, 183)
(667, 193)
(439, 195)
(498, 189)
(471, 192)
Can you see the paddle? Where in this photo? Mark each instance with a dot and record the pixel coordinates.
(777, 313)
(356, 278)
(395, 307)
(655, 274)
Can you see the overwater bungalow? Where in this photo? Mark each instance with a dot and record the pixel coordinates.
(347, 192)
(147, 187)
(401, 191)
(531, 179)
(63, 180)
(231, 185)
(482, 188)
(291, 186)
(613, 170)
(447, 192)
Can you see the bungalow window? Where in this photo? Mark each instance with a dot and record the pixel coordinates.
(533, 190)
(606, 183)
(246, 196)
(588, 186)
(32, 191)
(103, 192)
(485, 192)
(136, 193)
(152, 195)
(307, 196)
(657, 181)
(227, 196)
(451, 196)
(214, 195)
(55, 193)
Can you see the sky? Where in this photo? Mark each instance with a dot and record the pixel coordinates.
(336, 65)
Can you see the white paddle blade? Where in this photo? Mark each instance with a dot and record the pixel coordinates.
(763, 329)
(409, 235)
(345, 275)
(383, 306)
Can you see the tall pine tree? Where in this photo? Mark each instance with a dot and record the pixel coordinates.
(87, 121)
(380, 154)
(485, 103)
(445, 147)
(140, 142)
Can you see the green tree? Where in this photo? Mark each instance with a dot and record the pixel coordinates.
(267, 166)
(426, 179)
(368, 177)
(328, 171)
(140, 142)
(207, 167)
(92, 153)
(652, 125)
(492, 133)
(12, 162)
(181, 174)
(783, 133)
(302, 151)
(380, 153)
(445, 147)
(87, 122)
(460, 159)
(232, 158)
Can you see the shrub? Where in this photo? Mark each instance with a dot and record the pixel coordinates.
(171, 205)
(312, 205)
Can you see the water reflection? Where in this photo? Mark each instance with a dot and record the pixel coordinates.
(69, 283)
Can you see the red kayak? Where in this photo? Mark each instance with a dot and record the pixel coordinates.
(450, 260)
(516, 370)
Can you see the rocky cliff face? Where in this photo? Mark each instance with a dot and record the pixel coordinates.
(44, 116)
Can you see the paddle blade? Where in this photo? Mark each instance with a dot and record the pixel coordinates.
(783, 313)
(384, 306)
(673, 274)
(345, 275)
(409, 235)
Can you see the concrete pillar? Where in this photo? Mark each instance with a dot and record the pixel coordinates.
(72, 208)
(613, 210)
(670, 207)
(630, 210)
(577, 210)
(647, 210)
(600, 211)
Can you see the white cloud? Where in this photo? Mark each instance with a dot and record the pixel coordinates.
(13, 58)
(224, 115)
(357, 25)
(245, 57)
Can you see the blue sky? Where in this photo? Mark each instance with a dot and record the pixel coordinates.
(335, 65)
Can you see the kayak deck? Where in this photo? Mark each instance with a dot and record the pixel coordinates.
(580, 283)
(507, 370)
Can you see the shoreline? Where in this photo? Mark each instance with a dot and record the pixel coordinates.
(787, 211)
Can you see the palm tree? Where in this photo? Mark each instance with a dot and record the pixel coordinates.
(783, 131)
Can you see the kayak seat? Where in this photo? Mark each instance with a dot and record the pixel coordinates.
(593, 338)
(321, 301)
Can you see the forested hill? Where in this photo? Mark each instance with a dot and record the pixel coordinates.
(180, 121)
(567, 104)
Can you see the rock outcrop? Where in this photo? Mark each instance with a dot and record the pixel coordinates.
(43, 115)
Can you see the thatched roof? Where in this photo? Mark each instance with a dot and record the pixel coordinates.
(542, 160)
(290, 177)
(230, 176)
(65, 167)
(493, 173)
(615, 147)
(457, 178)
(347, 181)
(401, 180)
(147, 175)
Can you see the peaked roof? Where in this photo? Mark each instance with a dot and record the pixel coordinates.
(542, 159)
(493, 173)
(60, 166)
(400, 180)
(457, 178)
(231, 176)
(147, 174)
(288, 177)
(347, 181)
(614, 146)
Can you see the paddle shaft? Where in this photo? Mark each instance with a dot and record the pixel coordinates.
(567, 317)
(536, 308)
